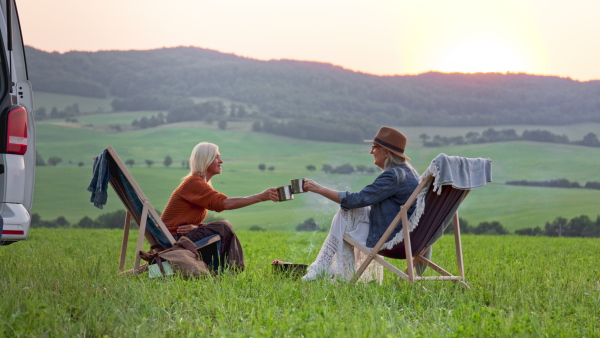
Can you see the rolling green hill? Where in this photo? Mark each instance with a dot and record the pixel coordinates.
(61, 190)
(310, 91)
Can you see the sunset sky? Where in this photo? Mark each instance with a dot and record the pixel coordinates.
(383, 37)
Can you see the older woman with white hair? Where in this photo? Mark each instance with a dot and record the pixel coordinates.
(190, 202)
(366, 214)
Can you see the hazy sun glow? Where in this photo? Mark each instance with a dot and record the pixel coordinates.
(481, 56)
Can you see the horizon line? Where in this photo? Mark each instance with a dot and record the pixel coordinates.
(314, 61)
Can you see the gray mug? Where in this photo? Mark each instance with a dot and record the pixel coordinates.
(297, 186)
(285, 193)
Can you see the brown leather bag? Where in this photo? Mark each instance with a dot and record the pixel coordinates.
(183, 257)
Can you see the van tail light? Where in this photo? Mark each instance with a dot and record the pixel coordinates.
(13, 232)
(16, 136)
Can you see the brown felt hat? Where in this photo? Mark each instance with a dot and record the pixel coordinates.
(392, 140)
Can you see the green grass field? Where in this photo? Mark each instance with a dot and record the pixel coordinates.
(65, 283)
(61, 190)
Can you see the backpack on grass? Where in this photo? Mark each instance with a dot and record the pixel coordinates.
(182, 258)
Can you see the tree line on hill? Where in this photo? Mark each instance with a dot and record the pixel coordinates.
(492, 135)
(559, 183)
(110, 220)
(344, 169)
(294, 92)
(581, 226)
(69, 113)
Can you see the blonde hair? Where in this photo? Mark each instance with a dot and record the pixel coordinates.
(393, 159)
(202, 156)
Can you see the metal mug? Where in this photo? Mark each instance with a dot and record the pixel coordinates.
(297, 186)
(285, 193)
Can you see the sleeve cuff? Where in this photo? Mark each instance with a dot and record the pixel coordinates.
(342, 198)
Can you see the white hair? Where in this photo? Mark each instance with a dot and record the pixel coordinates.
(202, 156)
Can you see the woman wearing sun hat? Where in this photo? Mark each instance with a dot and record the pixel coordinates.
(366, 214)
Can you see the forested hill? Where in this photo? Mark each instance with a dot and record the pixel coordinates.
(285, 89)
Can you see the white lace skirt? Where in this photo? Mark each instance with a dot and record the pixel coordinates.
(337, 259)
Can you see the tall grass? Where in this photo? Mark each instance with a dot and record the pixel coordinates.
(64, 283)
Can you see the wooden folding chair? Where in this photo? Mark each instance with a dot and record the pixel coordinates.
(439, 210)
(139, 208)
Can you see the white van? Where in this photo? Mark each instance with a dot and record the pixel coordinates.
(17, 130)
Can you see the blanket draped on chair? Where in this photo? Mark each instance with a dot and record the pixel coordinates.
(460, 172)
(105, 170)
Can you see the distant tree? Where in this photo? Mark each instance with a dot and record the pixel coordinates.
(262, 167)
(80, 164)
(257, 228)
(39, 161)
(149, 163)
(271, 168)
(144, 122)
(308, 225)
(160, 118)
(592, 185)
(130, 162)
(487, 228)
(112, 220)
(54, 160)
(87, 223)
(537, 231)
(311, 167)
(472, 136)
(61, 221)
(327, 168)
(40, 113)
(590, 140)
(424, 137)
(343, 169)
(361, 168)
(222, 124)
(556, 227)
(168, 161)
(153, 121)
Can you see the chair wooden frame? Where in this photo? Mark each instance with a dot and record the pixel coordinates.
(413, 258)
(148, 211)
(143, 218)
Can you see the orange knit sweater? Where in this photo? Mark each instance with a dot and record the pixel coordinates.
(190, 202)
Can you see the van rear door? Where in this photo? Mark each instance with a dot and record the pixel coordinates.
(17, 129)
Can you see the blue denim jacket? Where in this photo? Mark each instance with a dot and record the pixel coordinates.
(385, 195)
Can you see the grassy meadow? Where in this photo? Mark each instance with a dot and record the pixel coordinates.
(65, 283)
(61, 190)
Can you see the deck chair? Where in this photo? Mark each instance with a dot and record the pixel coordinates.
(440, 192)
(108, 168)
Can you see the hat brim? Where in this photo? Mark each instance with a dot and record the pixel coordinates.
(393, 151)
